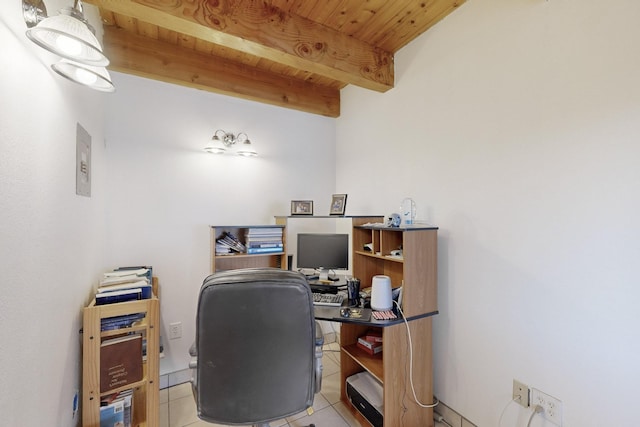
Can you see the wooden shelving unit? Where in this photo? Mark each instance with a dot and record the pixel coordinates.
(235, 261)
(146, 391)
(416, 271)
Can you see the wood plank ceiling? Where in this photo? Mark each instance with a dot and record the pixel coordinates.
(291, 53)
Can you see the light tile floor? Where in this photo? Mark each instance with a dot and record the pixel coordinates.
(178, 409)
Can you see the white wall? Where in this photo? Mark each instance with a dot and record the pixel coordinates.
(165, 192)
(514, 125)
(51, 240)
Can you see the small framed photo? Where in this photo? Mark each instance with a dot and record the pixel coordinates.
(302, 207)
(338, 204)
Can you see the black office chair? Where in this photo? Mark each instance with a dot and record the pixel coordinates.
(257, 356)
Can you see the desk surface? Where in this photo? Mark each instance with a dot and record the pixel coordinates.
(332, 314)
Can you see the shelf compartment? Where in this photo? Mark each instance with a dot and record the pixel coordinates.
(235, 261)
(371, 363)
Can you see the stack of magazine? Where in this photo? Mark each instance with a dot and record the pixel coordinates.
(263, 240)
(124, 284)
(116, 410)
(229, 244)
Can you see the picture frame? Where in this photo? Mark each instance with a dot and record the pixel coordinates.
(302, 207)
(338, 204)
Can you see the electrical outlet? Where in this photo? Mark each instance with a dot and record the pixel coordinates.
(552, 407)
(520, 393)
(175, 330)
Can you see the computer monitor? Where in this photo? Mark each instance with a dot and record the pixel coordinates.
(323, 252)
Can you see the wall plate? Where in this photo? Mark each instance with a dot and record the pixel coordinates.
(83, 162)
(520, 393)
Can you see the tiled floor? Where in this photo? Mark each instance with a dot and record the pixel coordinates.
(178, 409)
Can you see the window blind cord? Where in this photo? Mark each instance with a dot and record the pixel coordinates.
(415, 397)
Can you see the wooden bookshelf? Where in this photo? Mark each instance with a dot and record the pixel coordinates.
(145, 391)
(242, 260)
(416, 272)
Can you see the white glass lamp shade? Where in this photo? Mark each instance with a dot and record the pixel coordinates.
(70, 38)
(246, 149)
(97, 78)
(215, 146)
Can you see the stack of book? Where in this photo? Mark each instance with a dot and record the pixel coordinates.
(116, 410)
(228, 243)
(264, 240)
(124, 284)
(371, 342)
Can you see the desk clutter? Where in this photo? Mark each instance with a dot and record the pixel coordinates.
(371, 341)
(384, 315)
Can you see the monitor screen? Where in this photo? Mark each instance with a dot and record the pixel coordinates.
(323, 251)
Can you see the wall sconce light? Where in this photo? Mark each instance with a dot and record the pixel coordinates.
(222, 141)
(70, 36)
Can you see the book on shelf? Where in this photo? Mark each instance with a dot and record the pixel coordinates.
(230, 241)
(263, 244)
(144, 286)
(264, 250)
(264, 231)
(119, 322)
(126, 275)
(373, 335)
(124, 398)
(120, 361)
(112, 415)
(223, 249)
(369, 347)
(254, 237)
(122, 295)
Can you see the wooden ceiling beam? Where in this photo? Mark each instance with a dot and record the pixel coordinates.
(146, 57)
(257, 28)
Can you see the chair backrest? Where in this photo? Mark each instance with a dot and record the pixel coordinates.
(255, 343)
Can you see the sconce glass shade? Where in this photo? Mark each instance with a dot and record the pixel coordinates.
(68, 35)
(246, 149)
(216, 146)
(97, 78)
(214, 149)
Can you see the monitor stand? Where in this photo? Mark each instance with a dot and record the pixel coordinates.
(323, 275)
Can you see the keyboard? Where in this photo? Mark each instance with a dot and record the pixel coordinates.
(334, 300)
